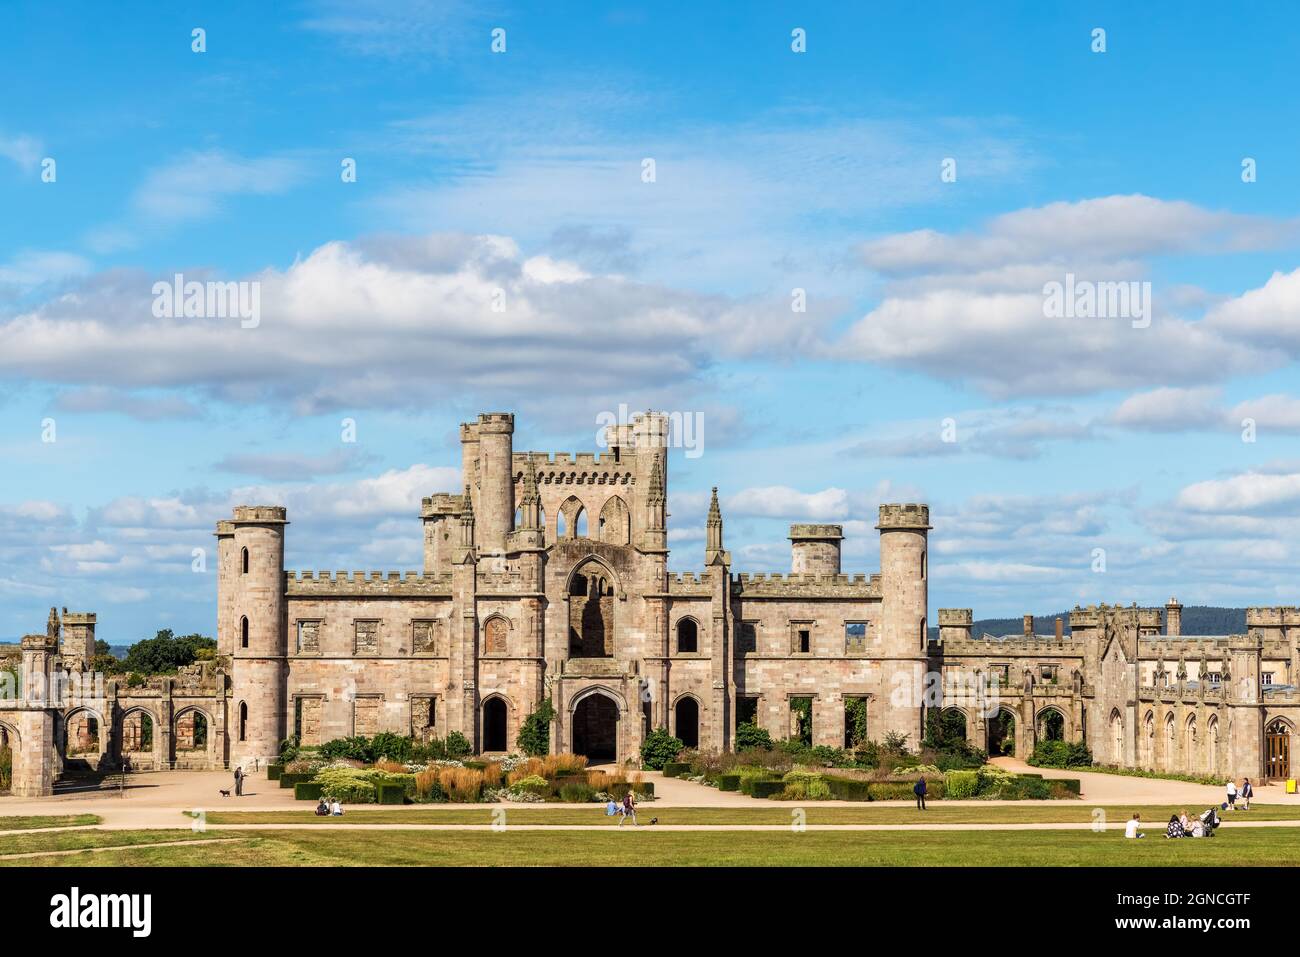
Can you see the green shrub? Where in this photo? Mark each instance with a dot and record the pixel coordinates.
(273, 771)
(1073, 785)
(1022, 787)
(306, 791)
(458, 745)
(658, 748)
(350, 785)
(577, 793)
(394, 747)
(535, 733)
(1060, 754)
(750, 737)
(288, 780)
(534, 784)
(729, 782)
(390, 792)
(848, 789)
(962, 784)
(675, 769)
(766, 788)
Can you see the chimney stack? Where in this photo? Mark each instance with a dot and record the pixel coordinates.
(1029, 626)
(1060, 629)
(1173, 618)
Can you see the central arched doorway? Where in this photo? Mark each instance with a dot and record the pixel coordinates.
(595, 728)
(494, 725)
(1002, 734)
(687, 721)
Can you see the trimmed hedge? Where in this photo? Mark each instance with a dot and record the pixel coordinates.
(289, 780)
(306, 791)
(767, 789)
(1074, 785)
(675, 769)
(273, 771)
(902, 790)
(729, 782)
(848, 789)
(390, 792)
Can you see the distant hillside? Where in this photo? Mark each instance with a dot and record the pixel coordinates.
(1197, 620)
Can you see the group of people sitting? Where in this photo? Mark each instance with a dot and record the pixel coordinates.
(1203, 826)
(332, 808)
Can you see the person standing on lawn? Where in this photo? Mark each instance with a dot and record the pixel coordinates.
(919, 790)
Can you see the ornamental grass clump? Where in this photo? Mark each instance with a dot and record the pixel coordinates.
(461, 784)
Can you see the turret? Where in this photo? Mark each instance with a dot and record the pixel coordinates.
(713, 551)
(904, 579)
(494, 506)
(654, 534)
(251, 546)
(955, 624)
(815, 549)
(904, 592)
(78, 642)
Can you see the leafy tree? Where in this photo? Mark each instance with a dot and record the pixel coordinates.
(166, 652)
(535, 733)
(750, 737)
(658, 748)
(102, 647)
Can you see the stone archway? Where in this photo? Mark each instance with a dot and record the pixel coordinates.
(686, 721)
(10, 755)
(590, 596)
(1002, 734)
(595, 727)
(496, 723)
(1051, 725)
(83, 741)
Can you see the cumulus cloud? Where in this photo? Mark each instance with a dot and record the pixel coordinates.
(1244, 493)
(395, 323)
(971, 307)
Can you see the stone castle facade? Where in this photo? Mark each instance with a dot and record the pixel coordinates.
(547, 578)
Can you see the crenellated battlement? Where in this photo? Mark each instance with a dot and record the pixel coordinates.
(1275, 617)
(910, 515)
(1040, 646)
(260, 515)
(807, 585)
(302, 584)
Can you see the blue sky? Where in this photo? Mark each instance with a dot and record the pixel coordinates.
(774, 171)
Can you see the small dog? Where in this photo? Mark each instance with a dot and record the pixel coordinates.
(225, 792)
(654, 820)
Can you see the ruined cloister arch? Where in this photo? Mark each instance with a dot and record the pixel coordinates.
(1117, 736)
(139, 736)
(82, 739)
(11, 739)
(615, 526)
(1050, 724)
(193, 737)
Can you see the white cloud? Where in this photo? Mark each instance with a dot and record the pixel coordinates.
(193, 186)
(1248, 492)
(1170, 410)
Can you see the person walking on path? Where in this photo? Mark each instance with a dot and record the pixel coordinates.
(629, 810)
(239, 781)
(1232, 795)
(1247, 792)
(919, 790)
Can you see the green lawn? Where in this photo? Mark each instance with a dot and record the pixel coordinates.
(74, 840)
(57, 820)
(780, 813)
(651, 847)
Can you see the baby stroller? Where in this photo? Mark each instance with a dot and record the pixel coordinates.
(1211, 821)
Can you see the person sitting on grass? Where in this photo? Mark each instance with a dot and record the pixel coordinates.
(1175, 828)
(1198, 828)
(1185, 821)
(322, 809)
(1132, 828)
(336, 809)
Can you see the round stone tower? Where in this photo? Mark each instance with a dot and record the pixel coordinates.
(251, 562)
(815, 549)
(905, 596)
